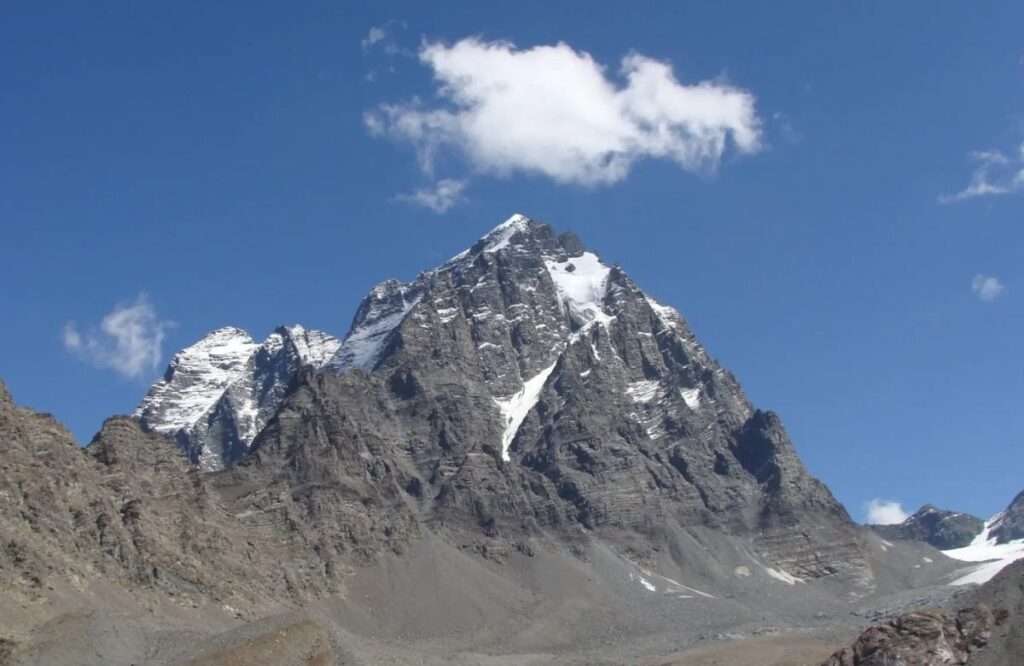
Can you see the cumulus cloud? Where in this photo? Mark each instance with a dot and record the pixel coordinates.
(884, 512)
(128, 340)
(555, 111)
(987, 287)
(994, 173)
(444, 194)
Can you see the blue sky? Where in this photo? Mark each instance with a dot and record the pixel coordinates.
(857, 263)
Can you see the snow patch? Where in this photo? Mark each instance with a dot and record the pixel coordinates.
(783, 576)
(515, 408)
(643, 391)
(691, 397)
(581, 283)
(984, 549)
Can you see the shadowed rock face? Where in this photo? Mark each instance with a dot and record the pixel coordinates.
(940, 528)
(1010, 525)
(129, 509)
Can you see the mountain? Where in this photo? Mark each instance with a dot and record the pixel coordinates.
(218, 393)
(525, 385)
(518, 455)
(938, 527)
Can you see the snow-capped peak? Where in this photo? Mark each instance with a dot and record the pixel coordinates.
(226, 376)
(496, 239)
(196, 377)
(499, 237)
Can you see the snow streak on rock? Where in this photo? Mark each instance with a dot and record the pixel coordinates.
(379, 315)
(515, 409)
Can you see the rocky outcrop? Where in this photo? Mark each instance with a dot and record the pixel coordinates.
(129, 509)
(924, 637)
(940, 528)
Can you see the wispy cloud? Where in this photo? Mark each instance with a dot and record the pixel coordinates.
(995, 173)
(444, 194)
(987, 287)
(128, 340)
(554, 111)
(375, 35)
(884, 512)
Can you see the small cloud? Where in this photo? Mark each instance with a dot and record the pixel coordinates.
(884, 512)
(987, 287)
(995, 173)
(555, 111)
(446, 193)
(376, 34)
(128, 341)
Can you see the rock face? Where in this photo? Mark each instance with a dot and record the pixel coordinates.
(130, 510)
(217, 394)
(526, 386)
(1009, 525)
(940, 528)
(925, 637)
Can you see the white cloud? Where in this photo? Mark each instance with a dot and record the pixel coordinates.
(987, 287)
(444, 194)
(128, 341)
(884, 512)
(994, 173)
(554, 111)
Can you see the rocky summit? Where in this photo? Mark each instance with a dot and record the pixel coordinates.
(938, 527)
(1009, 525)
(518, 456)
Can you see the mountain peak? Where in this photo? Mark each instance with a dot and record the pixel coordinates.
(218, 392)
